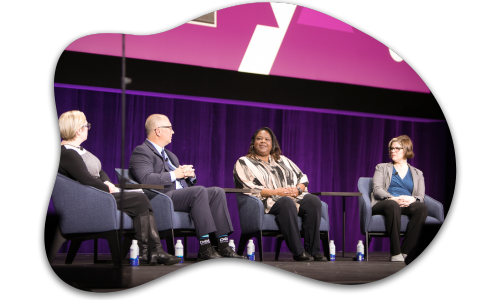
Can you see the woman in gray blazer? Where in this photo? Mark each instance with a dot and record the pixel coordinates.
(399, 189)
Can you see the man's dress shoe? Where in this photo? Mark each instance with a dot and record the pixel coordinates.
(229, 252)
(210, 253)
(303, 257)
(319, 257)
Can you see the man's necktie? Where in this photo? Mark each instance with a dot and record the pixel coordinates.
(171, 168)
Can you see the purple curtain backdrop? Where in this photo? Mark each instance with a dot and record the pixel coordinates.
(333, 150)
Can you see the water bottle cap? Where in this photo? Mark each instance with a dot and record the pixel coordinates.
(134, 241)
(179, 242)
(231, 240)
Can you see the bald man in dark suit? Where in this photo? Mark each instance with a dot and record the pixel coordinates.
(150, 163)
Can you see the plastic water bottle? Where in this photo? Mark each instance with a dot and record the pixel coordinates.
(332, 251)
(251, 250)
(179, 250)
(361, 251)
(232, 245)
(134, 253)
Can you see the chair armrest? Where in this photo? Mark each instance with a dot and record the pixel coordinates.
(163, 206)
(118, 173)
(163, 209)
(251, 213)
(365, 207)
(365, 213)
(324, 213)
(83, 209)
(435, 208)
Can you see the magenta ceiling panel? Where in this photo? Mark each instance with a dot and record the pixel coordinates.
(316, 46)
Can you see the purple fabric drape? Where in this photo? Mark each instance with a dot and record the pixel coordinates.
(333, 150)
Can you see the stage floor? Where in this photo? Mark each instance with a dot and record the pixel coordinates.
(86, 275)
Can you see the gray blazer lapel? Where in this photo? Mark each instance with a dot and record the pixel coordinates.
(414, 176)
(388, 169)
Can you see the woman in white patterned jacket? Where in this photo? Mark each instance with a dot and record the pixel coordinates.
(282, 187)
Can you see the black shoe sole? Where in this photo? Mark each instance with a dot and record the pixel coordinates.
(202, 259)
(238, 256)
(169, 262)
(144, 263)
(304, 260)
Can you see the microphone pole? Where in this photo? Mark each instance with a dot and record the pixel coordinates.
(124, 82)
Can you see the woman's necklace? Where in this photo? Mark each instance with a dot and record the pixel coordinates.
(262, 158)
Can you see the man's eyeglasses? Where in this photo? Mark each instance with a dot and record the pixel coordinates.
(87, 125)
(166, 127)
(396, 148)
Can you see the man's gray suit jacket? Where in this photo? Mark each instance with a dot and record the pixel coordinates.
(147, 167)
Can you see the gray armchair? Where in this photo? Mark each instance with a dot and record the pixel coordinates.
(375, 225)
(255, 223)
(86, 213)
(170, 223)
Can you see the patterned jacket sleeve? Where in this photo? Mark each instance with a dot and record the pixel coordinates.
(245, 179)
(301, 177)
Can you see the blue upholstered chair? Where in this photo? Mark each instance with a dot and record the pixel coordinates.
(170, 223)
(86, 213)
(375, 225)
(255, 223)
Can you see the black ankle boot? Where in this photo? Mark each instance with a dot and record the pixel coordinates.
(156, 253)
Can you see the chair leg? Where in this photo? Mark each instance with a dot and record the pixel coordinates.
(261, 247)
(127, 242)
(241, 245)
(73, 249)
(185, 247)
(170, 241)
(54, 243)
(96, 242)
(324, 236)
(367, 244)
(279, 241)
(114, 247)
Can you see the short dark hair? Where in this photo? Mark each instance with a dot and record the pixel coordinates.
(406, 143)
(275, 148)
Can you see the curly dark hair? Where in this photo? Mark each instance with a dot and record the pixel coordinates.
(275, 151)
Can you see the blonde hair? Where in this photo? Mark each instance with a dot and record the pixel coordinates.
(405, 143)
(70, 122)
